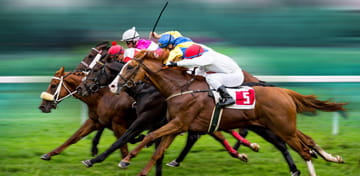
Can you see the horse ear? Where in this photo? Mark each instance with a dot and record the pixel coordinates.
(60, 71)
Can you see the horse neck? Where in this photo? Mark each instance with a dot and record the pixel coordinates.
(167, 81)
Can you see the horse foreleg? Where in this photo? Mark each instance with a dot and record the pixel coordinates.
(311, 168)
(191, 139)
(243, 133)
(159, 162)
(219, 137)
(164, 144)
(173, 127)
(254, 146)
(95, 142)
(119, 130)
(88, 127)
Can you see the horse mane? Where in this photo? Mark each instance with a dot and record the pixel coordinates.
(159, 54)
(102, 43)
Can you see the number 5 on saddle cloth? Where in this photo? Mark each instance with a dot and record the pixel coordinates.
(244, 99)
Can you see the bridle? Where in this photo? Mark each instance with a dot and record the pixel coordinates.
(93, 62)
(130, 82)
(58, 89)
(56, 96)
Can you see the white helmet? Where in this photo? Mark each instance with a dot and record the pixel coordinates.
(130, 35)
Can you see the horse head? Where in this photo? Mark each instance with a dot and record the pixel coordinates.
(136, 69)
(61, 86)
(100, 76)
(96, 53)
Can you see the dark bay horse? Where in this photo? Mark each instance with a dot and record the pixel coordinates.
(147, 101)
(102, 76)
(276, 108)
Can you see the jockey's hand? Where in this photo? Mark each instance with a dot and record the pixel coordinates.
(171, 64)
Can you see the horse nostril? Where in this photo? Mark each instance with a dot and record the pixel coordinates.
(42, 107)
(79, 89)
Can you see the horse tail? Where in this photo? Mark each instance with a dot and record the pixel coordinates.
(310, 103)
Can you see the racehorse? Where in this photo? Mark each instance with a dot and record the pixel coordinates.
(102, 76)
(147, 100)
(189, 109)
(46, 106)
(105, 109)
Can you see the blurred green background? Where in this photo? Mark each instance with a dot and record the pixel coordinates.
(270, 37)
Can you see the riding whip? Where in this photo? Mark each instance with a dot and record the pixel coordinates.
(157, 20)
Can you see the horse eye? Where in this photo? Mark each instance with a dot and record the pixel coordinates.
(130, 67)
(53, 86)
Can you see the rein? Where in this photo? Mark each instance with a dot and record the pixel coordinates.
(57, 92)
(55, 97)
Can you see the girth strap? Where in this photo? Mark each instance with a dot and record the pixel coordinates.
(188, 92)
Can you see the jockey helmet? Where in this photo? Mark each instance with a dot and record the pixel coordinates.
(115, 49)
(130, 35)
(166, 40)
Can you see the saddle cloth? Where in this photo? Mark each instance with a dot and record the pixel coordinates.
(244, 97)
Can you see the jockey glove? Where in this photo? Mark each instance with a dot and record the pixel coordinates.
(171, 64)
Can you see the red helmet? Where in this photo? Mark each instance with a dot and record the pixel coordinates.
(115, 49)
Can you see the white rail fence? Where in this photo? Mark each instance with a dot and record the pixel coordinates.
(268, 78)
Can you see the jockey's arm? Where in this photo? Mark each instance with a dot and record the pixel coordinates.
(195, 62)
(174, 54)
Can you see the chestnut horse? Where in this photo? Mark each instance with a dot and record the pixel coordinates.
(46, 106)
(102, 76)
(105, 109)
(276, 108)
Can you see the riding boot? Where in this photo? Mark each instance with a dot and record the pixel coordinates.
(226, 99)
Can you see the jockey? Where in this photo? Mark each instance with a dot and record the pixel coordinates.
(116, 51)
(135, 44)
(218, 69)
(175, 42)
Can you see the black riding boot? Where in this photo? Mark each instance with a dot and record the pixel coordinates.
(226, 99)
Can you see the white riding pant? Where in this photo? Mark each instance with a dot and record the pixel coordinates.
(215, 80)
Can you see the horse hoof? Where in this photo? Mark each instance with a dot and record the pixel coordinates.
(46, 157)
(296, 173)
(87, 163)
(255, 147)
(123, 164)
(243, 157)
(173, 163)
(339, 159)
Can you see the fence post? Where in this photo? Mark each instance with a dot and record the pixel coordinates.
(335, 124)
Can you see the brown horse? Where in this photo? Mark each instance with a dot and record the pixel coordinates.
(276, 108)
(105, 109)
(46, 106)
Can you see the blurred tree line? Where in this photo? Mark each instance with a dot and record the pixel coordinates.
(39, 25)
